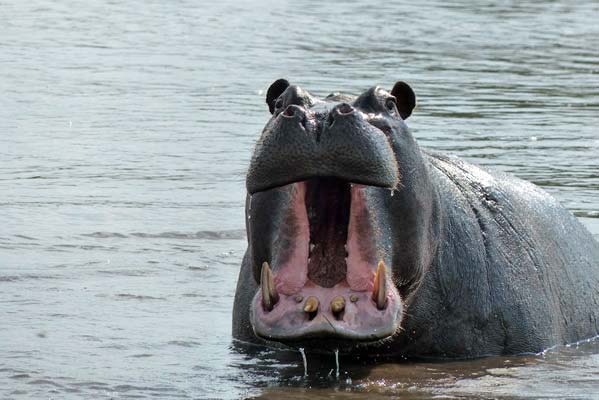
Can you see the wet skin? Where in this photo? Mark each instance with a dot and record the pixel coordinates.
(360, 240)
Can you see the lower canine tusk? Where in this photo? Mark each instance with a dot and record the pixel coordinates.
(379, 293)
(270, 297)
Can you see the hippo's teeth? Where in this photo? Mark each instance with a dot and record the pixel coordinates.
(379, 293)
(338, 304)
(311, 305)
(267, 286)
(311, 247)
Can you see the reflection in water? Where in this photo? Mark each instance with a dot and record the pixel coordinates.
(535, 376)
(126, 133)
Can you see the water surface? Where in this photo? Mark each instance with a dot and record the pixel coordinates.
(126, 133)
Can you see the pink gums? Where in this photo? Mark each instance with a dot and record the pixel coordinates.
(360, 273)
(292, 276)
(361, 319)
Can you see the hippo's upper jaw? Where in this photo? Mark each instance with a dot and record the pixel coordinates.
(317, 250)
(307, 137)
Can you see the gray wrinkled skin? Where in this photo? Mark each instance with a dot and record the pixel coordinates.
(485, 263)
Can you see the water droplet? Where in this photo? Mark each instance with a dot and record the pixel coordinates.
(303, 353)
(337, 363)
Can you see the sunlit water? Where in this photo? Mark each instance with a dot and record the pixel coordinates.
(126, 130)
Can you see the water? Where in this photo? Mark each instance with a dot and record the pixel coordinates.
(126, 133)
(304, 360)
(336, 363)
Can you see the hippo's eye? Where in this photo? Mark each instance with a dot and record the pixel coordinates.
(279, 103)
(390, 104)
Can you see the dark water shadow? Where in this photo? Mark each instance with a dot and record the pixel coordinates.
(279, 373)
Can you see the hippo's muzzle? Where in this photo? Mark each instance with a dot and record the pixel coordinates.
(302, 143)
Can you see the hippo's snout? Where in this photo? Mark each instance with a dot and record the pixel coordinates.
(323, 140)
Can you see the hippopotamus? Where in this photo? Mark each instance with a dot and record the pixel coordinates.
(359, 240)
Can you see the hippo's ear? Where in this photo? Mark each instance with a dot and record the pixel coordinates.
(274, 91)
(406, 99)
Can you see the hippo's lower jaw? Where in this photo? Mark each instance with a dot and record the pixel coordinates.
(336, 313)
(330, 282)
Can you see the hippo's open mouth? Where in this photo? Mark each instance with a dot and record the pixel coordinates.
(329, 279)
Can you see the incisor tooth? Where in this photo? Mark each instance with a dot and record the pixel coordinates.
(311, 304)
(379, 293)
(337, 304)
(267, 286)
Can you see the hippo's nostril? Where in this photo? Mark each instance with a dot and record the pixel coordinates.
(345, 109)
(341, 110)
(290, 111)
(296, 113)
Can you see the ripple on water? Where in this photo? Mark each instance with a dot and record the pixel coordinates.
(236, 234)
(128, 296)
(26, 277)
